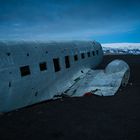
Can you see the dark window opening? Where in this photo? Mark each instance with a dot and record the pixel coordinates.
(8, 54)
(25, 70)
(36, 93)
(82, 55)
(9, 84)
(76, 57)
(27, 54)
(56, 64)
(93, 53)
(97, 52)
(67, 61)
(43, 66)
(88, 53)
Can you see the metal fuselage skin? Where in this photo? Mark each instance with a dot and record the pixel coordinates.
(28, 74)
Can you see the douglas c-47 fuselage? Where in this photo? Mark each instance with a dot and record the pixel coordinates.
(31, 72)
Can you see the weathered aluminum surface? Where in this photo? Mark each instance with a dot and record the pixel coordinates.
(102, 82)
(17, 91)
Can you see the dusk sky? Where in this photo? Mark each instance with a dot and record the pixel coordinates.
(106, 21)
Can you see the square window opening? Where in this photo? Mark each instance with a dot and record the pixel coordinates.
(25, 70)
(43, 66)
(76, 57)
(93, 53)
(97, 52)
(67, 62)
(56, 64)
(88, 53)
(82, 55)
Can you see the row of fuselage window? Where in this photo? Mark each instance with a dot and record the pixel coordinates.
(25, 70)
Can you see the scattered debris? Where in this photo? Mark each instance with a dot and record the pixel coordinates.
(130, 84)
(77, 79)
(88, 94)
(61, 96)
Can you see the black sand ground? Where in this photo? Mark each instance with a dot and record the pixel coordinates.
(99, 118)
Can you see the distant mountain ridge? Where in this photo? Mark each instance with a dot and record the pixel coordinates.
(121, 48)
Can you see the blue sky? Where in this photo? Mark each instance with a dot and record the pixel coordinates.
(106, 21)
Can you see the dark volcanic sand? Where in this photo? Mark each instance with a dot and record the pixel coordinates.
(99, 118)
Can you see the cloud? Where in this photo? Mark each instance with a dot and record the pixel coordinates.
(53, 19)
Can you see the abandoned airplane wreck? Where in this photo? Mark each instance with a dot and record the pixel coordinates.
(31, 72)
